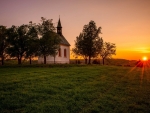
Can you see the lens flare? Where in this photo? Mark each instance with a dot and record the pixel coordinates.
(144, 58)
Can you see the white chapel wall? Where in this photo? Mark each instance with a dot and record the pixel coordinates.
(58, 59)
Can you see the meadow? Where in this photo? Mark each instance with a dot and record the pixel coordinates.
(74, 89)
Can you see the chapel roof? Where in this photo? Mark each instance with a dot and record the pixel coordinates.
(64, 41)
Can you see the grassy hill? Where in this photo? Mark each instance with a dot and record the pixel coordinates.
(74, 89)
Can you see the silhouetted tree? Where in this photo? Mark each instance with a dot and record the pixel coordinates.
(88, 43)
(3, 43)
(32, 42)
(77, 50)
(49, 40)
(48, 44)
(17, 38)
(108, 49)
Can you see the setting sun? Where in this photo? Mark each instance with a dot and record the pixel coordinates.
(144, 58)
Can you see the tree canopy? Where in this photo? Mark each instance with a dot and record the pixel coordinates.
(17, 39)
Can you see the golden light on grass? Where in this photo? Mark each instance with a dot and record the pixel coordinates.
(144, 64)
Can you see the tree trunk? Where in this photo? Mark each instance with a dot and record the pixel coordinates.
(54, 59)
(85, 60)
(19, 60)
(2, 60)
(30, 60)
(44, 59)
(103, 61)
(89, 60)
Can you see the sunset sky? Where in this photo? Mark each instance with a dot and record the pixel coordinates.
(124, 22)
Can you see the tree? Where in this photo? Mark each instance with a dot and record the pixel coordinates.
(3, 43)
(17, 38)
(107, 50)
(32, 42)
(48, 44)
(49, 40)
(88, 43)
(77, 50)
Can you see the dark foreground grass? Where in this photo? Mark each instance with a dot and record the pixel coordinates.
(87, 89)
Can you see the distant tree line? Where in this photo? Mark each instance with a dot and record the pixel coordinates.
(89, 45)
(28, 41)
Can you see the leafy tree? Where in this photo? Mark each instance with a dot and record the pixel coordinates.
(49, 40)
(32, 42)
(107, 50)
(17, 38)
(88, 43)
(3, 43)
(77, 50)
(48, 44)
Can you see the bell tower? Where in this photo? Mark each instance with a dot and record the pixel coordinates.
(59, 28)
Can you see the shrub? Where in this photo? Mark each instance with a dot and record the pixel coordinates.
(96, 61)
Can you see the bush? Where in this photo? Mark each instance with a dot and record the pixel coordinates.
(96, 61)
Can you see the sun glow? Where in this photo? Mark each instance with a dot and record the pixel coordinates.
(144, 58)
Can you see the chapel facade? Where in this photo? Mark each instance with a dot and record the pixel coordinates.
(63, 55)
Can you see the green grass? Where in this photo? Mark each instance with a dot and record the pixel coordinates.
(73, 89)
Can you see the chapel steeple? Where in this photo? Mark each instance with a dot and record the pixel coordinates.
(59, 28)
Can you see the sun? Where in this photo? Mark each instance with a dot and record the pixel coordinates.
(144, 58)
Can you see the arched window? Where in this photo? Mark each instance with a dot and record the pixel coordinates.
(59, 52)
(65, 53)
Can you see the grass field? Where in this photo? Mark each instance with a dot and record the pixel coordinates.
(74, 89)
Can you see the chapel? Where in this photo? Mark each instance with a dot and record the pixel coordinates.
(63, 55)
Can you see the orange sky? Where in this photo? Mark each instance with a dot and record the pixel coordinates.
(124, 22)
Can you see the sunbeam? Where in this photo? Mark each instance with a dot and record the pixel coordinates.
(145, 68)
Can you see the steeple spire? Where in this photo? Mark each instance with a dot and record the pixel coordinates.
(59, 27)
(59, 23)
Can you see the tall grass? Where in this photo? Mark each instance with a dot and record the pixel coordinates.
(73, 89)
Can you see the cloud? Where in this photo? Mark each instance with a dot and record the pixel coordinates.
(141, 50)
